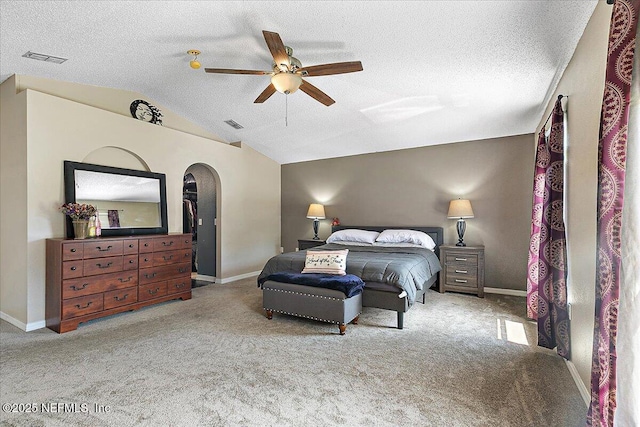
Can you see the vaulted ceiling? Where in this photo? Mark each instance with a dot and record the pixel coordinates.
(434, 71)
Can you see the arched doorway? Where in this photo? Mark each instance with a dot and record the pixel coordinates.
(200, 213)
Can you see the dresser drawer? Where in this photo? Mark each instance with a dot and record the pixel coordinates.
(470, 282)
(186, 242)
(130, 262)
(102, 265)
(82, 305)
(178, 285)
(145, 245)
(120, 297)
(461, 271)
(461, 258)
(172, 257)
(71, 269)
(152, 290)
(72, 288)
(130, 247)
(165, 272)
(168, 243)
(72, 251)
(99, 249)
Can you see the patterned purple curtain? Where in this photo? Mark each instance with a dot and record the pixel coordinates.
(612, 150)
(546, 283)
(533, 266)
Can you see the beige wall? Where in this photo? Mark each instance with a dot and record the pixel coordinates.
(583, 82)
(414, 187)
(59, 129)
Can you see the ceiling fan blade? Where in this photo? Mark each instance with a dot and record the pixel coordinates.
(276, 47)
(270, 90)
(316, 93)
(329, 69)
(230, 71)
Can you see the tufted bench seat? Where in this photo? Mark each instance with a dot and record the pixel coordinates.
(325, 305)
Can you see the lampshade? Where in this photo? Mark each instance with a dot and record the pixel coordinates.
(286, 82)
(316, 211)
(460, 209)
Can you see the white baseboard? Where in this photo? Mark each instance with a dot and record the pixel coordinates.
(239, 277)
(582, 388)
(206, 278)
(501, 291)
(27, 327)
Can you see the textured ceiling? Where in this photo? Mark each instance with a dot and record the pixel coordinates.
(434, 71)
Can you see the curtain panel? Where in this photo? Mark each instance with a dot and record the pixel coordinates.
(546, 282)
(611, 181)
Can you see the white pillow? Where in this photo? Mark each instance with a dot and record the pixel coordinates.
(353, 235)
(407, 236)
(327, 262)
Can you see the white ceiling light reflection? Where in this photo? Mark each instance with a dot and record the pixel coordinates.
(402, 109)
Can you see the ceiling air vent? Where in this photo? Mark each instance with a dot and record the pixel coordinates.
(43, 57)
(234, 124)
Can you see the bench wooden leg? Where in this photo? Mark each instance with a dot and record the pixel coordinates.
(269, 314)
(343, 328)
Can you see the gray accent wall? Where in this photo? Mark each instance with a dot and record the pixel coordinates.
(414, 187)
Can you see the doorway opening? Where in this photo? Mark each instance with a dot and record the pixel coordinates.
(199, 218)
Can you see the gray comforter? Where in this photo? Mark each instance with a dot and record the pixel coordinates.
(405, 268)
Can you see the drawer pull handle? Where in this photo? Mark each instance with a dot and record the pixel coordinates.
(187, 254)
(125, 281)
(146, 245)
(179, 285)
(461, 281)
(167, 244)
(86, 306)
(107, 265)
(461, 259)
(131, 245)
(146, 260)
(462, 271)
(182, 270)
(79, 288)
(167, 259)
(73, 268)
(131, 261)
(108, 248)
(124, 297)
(73, 251)
(153, 292)
(150, 276)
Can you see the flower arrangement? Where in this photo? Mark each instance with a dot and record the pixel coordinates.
(78, 210)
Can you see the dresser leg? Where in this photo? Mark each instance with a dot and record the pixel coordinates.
(343, 328)
(355, 320)
(269, 314)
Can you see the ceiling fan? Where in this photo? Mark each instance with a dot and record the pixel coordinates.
(288, 71)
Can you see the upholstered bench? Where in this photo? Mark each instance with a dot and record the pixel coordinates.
(325, 305)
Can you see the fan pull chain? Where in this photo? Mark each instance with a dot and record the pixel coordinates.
(286, 110)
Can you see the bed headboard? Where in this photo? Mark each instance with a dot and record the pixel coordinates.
(436, 233)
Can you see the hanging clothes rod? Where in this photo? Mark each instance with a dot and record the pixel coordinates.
(551, 113)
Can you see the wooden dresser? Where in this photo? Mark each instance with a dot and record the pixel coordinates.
(92, 278)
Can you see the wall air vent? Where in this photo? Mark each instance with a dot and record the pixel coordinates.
(43, 57)
(234, 124)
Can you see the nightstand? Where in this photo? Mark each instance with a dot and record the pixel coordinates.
(309, 243)
(462, 269)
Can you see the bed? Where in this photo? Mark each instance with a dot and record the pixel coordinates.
(395, 278)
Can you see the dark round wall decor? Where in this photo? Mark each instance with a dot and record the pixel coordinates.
(146, 112)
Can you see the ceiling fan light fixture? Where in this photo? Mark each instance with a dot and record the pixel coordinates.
(194, 63)
(286, 83)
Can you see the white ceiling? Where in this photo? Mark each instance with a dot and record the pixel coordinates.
(434, 71)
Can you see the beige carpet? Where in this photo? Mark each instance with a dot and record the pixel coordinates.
(216, 361)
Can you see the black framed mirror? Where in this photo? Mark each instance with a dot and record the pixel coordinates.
(129, 201)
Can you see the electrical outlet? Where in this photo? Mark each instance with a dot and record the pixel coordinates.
(199, 221)
(297, 249)
(281, 249)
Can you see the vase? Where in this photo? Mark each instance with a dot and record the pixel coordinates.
(80, 228)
